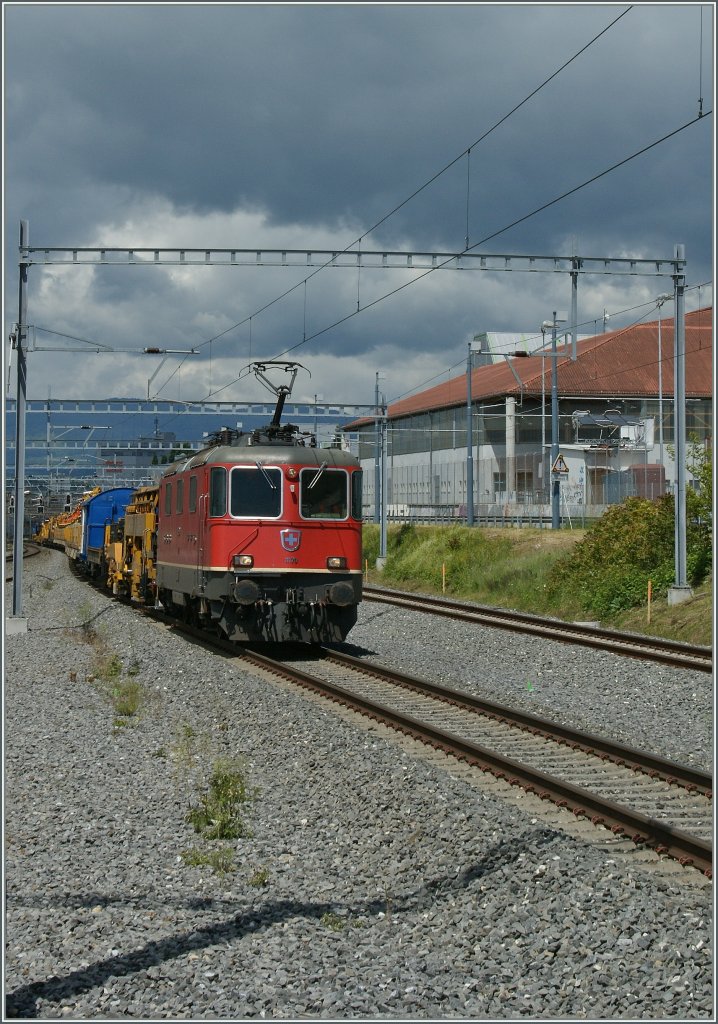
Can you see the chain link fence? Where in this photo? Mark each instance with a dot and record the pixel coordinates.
(436, 492)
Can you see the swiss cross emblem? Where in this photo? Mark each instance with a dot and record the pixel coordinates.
(291, 539)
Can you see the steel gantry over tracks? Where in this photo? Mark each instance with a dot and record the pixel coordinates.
(379, 258)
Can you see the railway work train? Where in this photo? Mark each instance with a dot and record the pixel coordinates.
(257, 536)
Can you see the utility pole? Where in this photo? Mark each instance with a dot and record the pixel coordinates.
(384, 485)
(555, 482)
(555, 479)
(680, 591)
(659, 302)
(469, 447)
(377, 453)
(17, 623)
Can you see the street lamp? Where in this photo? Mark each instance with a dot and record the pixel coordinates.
(659, 302)
(555, 482)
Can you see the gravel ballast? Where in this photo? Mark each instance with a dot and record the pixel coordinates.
(376, 882)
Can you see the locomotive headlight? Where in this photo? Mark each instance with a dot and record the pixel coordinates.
(242, 561)
(292, 473)
(336, 563)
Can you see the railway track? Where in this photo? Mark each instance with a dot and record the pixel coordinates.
(667, 652)
(28, 551)
(654, 802)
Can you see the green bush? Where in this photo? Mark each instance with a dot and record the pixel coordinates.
(609, 570)
(596, 573)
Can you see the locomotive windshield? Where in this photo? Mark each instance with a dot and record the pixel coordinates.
(357, 494)
(256, 493)
(323, 493)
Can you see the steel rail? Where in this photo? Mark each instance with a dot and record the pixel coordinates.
(28, 552)
(687, 849)
(630, 757)
(621, 820)
(670, 652)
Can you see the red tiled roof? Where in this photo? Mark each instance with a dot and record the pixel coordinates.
(621, 363)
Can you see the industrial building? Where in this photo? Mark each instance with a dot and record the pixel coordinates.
(615, 425)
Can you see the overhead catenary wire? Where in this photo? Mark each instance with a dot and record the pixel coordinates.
(700, 68)
(495, 234)
(618, 312)
(466, 152)
(431, 180)
(650, 303)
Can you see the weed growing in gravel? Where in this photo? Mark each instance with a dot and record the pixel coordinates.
(332, 921)
(89, 633)
(259, 878)
(218, 815)
(221, 861)
(184, 748)
(127, 698)
(107, 666)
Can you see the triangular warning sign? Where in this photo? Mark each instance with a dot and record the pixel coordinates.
(559, 465)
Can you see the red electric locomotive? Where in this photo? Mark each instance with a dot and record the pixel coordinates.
(260, 535)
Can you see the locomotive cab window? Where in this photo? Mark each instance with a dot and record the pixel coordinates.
(323, 493)
(357, 494)
(192, 502)
(218, 491)
(256, 492)
(168, 499)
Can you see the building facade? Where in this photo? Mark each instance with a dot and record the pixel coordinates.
(615, 426)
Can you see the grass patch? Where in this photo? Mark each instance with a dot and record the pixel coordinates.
(87, 628)
(259, 878)
(221, 861)
(691, 622)
(126, 695)
(187, 746)
(107, 667)
(127, 698)
(536, 570)
(219, 813)
(332, 921)
(501, 567)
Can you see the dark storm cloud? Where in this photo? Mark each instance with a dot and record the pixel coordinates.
(312, 112)
(323, 118)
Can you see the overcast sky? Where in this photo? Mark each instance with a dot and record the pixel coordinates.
(303, 126)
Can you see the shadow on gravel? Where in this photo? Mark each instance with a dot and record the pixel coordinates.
(72, 625)
(356, 652)
(22, 1002)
